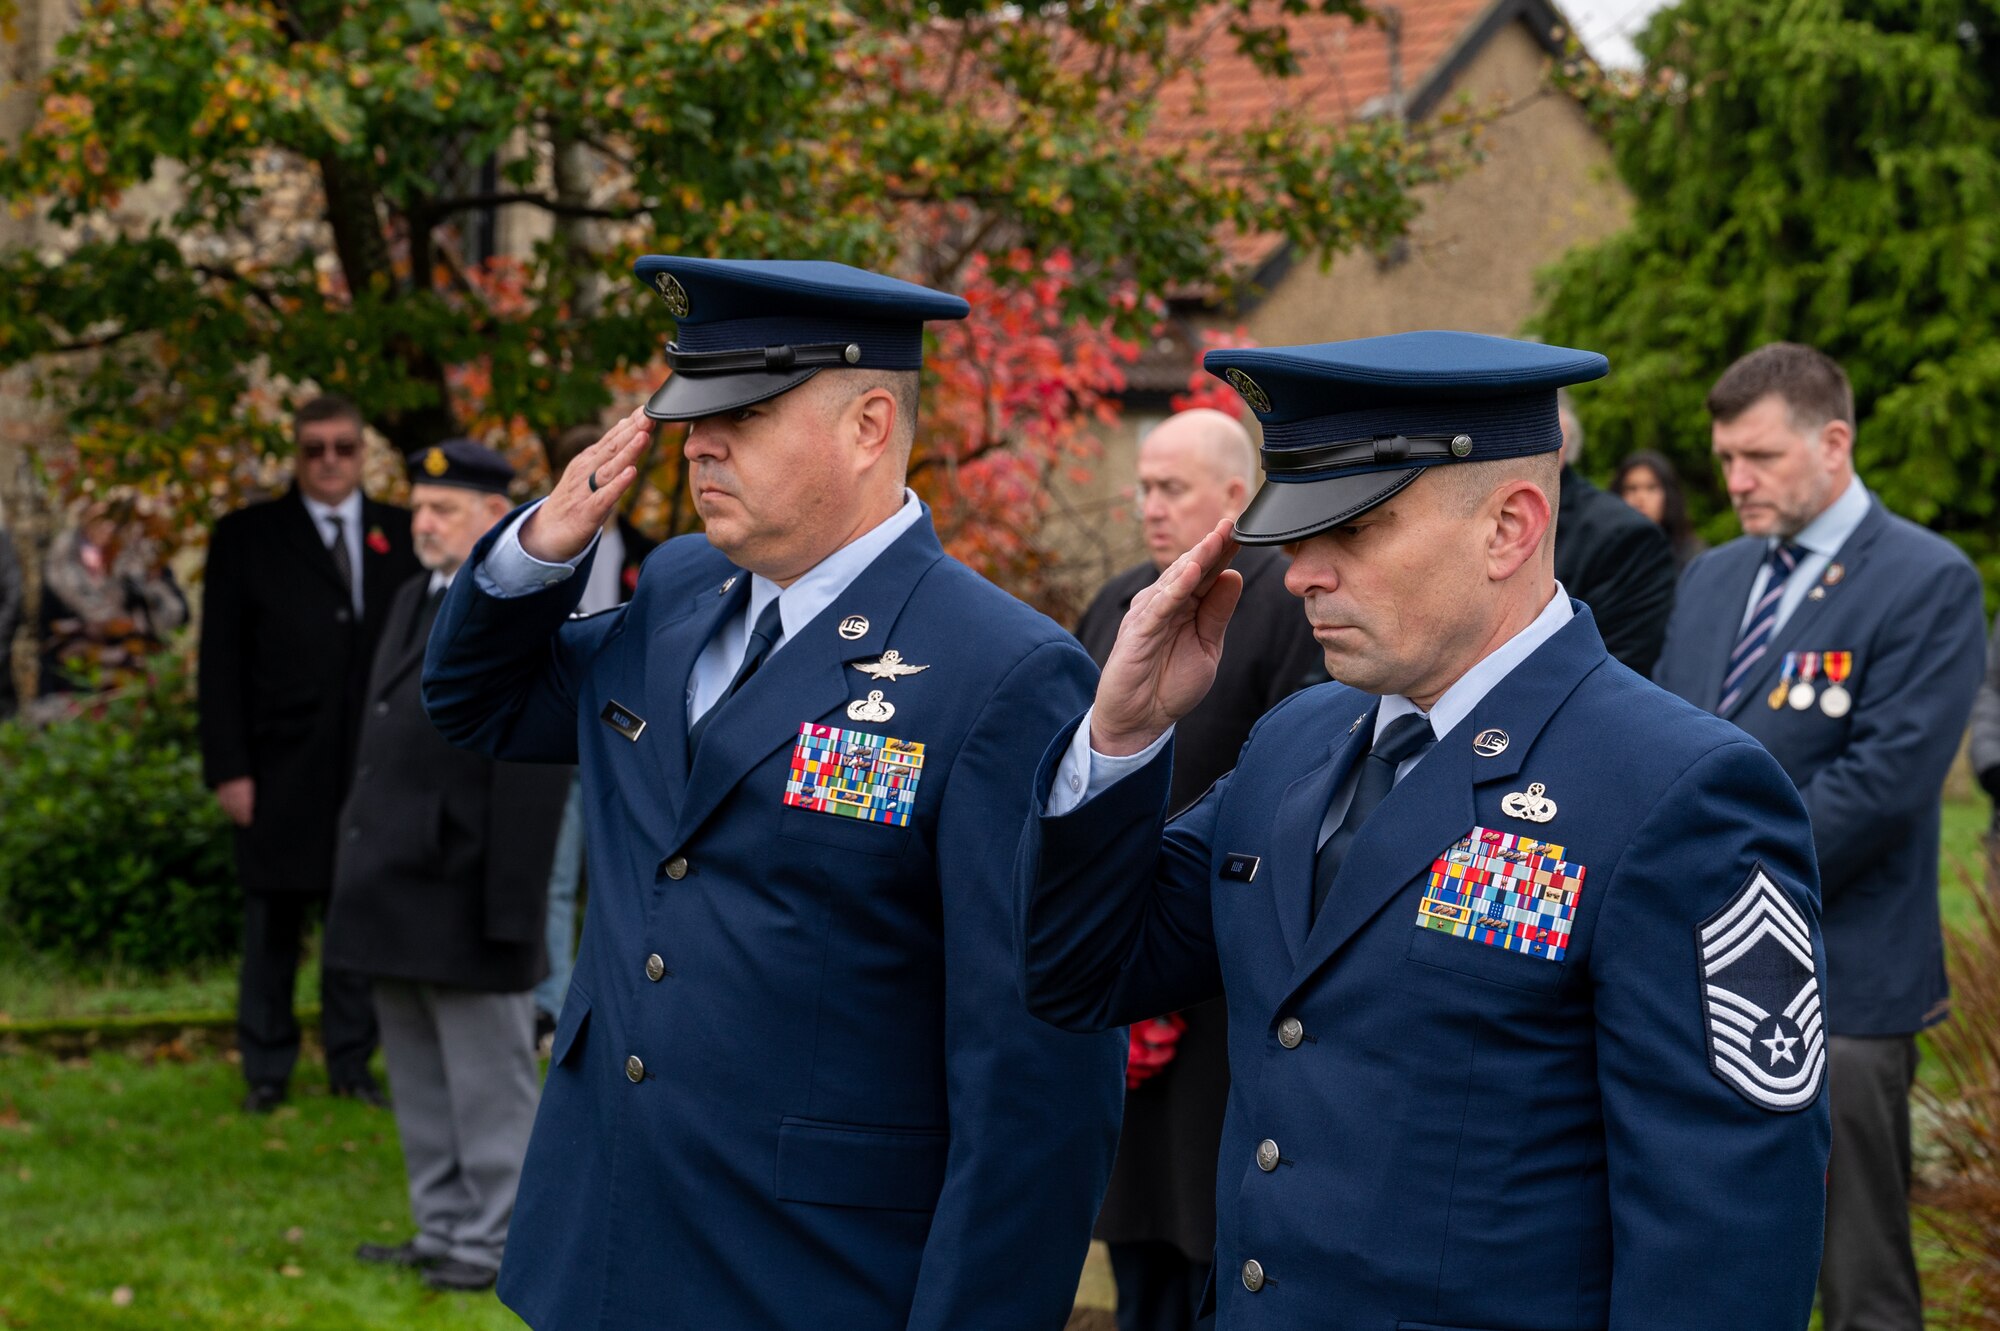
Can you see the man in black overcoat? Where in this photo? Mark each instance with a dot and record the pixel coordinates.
(1158, 1221)
(1612, 558)
(296, 592)
(439, 897)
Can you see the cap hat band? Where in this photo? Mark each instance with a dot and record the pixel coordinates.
(757, 360)
(883, 346)
(1303, 464)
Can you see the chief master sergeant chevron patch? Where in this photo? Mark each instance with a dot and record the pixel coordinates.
(1760, 991)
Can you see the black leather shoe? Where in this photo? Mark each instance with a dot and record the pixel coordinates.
(363, 1092)
(452, 1274)
(398, 1254)
(263, 1098)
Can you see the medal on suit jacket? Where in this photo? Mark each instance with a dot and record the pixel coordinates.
(1803, 692)
(1835, 700)
(1786, 674)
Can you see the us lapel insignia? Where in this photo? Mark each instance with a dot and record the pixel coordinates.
(620, 718)
(1503, 890)
(1760, 995)
(1357, 723)
(1490, 743)
(890, 666)
(871, 708)
(855, 774)
(1532, 804)
(723, 590)
(854, 626)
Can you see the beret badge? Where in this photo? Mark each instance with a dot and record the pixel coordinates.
(435, 462)
(1258, 399)
(672, 292)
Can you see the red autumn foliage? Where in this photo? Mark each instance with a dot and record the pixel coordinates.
(1019, 396)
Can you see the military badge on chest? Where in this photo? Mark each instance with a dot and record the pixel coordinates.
(1797, 687)
(1760, 994)
(855, 774)
(1506, 891)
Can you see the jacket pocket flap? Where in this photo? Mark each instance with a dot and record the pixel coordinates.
(836, 1164)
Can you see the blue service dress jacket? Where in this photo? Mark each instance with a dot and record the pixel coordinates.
(1512, 1078)
(794, 1086)
(1901, 614)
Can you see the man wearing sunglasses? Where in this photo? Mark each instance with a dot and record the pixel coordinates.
(294, 597)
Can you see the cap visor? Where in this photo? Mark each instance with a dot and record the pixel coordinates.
(686, 397)
(1282, 513)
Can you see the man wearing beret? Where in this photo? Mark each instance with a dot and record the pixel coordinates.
(793, 1087)
(1521, 953)
(438, 897)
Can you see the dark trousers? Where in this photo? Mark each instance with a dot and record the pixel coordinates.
(267, 1030)
(1158, 1287)
(1868, 1278)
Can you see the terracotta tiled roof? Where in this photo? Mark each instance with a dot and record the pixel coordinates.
(1345, 71)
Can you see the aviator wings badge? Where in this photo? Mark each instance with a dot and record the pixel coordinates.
(890, 665)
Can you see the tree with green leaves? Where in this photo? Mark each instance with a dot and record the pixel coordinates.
(332, 163)
(1827, 172)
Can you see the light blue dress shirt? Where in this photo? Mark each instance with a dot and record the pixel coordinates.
(509, 571)
(1085, 773)
(1822, 539)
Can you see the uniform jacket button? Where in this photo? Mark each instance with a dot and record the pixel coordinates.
(381, 709)
(634, 1069)
(1253, 1275)
(1267, 1155)
(656, 967)
(1290, 1031)
(677, 868)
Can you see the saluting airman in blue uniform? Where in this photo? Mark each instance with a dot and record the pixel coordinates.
(1522, 953)
(794, 1087)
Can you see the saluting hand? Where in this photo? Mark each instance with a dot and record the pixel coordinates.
(576, 510)
(1168, 648)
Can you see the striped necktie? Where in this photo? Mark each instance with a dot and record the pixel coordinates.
(1756, 639)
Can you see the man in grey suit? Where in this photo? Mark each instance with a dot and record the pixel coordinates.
(439, 897)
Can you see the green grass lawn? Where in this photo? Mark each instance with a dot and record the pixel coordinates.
(136, 1195)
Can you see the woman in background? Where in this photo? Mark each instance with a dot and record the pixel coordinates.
(1647, 482)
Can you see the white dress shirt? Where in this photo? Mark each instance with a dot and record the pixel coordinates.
(1085, 773)
(1821, 539)
(348, 511)
(602, 592)
(508, 571)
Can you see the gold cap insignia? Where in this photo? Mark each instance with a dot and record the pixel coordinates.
(435, 462)
(672, 292)
(1258, 399)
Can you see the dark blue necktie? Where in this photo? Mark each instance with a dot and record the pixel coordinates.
(763, 637)
(1763, 622)
(1402, 739)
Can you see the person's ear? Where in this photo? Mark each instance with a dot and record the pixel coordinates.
(874, 423)
(1520, 517)
(1837, 437)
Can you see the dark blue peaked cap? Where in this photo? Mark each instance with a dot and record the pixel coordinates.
(1348, 424)
(750, 329)
(461, 463)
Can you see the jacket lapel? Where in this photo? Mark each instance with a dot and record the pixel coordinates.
(1301, 813)
(379, 574)
(671, 651)
(306, 534)
(806, 678)
(405, 635)
(1432, 807)
(1798, 628)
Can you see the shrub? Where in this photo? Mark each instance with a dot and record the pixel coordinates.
(1962, 1097)
(111, 849)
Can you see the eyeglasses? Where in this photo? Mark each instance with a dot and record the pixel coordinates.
(342, 448)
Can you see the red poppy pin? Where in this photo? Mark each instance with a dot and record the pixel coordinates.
(378, 542)
(632, 578)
